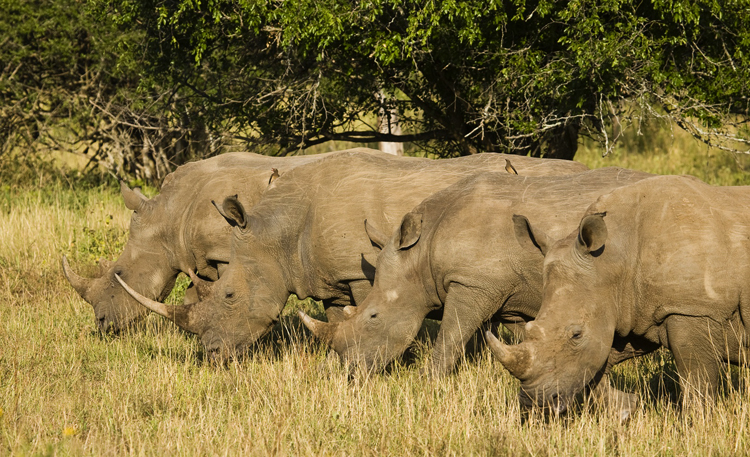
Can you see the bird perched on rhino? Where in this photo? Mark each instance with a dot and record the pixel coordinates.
(509, 167)
(274, 175)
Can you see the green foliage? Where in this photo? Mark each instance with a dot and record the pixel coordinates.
(177, 295)
(308, 305)
(72, 82)
(55, 58)
(104, 242)
(503, 75)
(42, 173)
(660, 148)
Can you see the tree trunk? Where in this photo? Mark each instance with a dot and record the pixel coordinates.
(559, 143)
(388, 123)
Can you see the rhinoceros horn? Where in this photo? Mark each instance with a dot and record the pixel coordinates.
(202, 287)
(516, 359)
(322, 330)
(79, 283)
(104, 265)
(180, 315)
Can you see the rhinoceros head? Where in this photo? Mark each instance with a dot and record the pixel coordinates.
(143, 263)
(568, 344)
(243, 304)
(382, 327)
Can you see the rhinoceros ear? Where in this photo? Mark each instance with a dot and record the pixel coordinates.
(233, 211)
(592, 233)
(377, 237)
(534, 240)
(133, 199)
(410, 231)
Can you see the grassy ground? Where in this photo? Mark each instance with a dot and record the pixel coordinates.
(66, 390)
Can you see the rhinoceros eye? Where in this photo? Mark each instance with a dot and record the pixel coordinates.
(374, 316)
(229, 294)
(576, 332)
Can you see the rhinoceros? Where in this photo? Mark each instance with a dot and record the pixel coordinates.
(306, 237)
(178, 231)
(457, 251)
(663, 262)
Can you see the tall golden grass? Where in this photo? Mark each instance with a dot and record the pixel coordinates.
(66, 390)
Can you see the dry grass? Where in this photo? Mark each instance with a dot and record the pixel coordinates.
(66, 390)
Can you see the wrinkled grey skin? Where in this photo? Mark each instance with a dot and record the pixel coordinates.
(664, 262)
(177, 230)
(306, 237)
(457, 251)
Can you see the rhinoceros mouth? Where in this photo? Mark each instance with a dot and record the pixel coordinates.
(553, 404)
(221, 354)
(215, 356)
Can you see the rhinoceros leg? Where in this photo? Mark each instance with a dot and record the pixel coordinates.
(465, 310)
(359, 291)
(698, 344)
(607, 397)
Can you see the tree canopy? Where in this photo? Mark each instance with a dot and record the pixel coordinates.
(144, 85)
(71, 81)
(465, 75)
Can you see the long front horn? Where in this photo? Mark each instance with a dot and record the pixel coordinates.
(516, 359)
(180, 315)
(322, 330)
(79, 283)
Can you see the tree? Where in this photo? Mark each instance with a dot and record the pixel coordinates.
(465, 75)
(64, 86)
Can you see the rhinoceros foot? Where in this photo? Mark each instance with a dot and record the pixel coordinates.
(608, 398)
